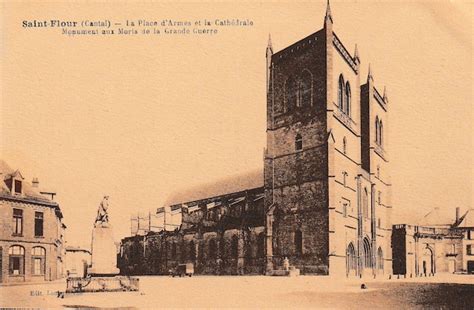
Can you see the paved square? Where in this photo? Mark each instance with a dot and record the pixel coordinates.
(258, 292)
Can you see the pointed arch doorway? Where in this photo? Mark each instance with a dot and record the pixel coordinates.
(351, 261)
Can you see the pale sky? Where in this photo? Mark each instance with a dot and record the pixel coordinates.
(140, 117)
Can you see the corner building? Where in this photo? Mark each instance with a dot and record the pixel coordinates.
(31, 231)
(326, 179)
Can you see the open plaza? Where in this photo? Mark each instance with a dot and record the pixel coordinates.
(258, 292)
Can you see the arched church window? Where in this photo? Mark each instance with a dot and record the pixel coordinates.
(351, 259)
(377, 129)
(290, 94)
(212, 249)
(348, 100)
(192, 251)
(305, 89)
(298, 242)
(173, 250)
(235, 246)
(340, 93)
(365, 203)
(298, 142)
(381, 133)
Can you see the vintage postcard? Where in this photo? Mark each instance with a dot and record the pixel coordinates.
(236, 154)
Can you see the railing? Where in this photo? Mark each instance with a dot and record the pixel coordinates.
(102, 284)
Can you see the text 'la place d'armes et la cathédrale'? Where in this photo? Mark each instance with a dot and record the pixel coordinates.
(138, 26)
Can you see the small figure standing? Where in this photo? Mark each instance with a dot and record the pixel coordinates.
(102, 215)
(286, 264)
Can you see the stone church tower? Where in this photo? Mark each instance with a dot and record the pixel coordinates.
(327, 187)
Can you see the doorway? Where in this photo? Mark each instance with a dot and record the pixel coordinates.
(470, 266)
(428, 262)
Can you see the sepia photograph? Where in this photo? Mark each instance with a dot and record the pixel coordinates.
(236, 154)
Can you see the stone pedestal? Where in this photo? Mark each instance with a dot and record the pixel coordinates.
(104, 252)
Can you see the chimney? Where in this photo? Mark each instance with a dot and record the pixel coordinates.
(35, 183)
(457, 215)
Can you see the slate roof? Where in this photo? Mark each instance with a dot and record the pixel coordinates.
(237, 183)
(467, 220)
(435, 218)
(30, 193)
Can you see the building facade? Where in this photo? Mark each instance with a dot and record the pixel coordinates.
(326, 189)
(32, 231)
(430, 249)
(222, 234)
(327, 183)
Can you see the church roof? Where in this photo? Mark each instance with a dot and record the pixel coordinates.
(435, 218)
(233, 184)
(29, 192)
(467, 220)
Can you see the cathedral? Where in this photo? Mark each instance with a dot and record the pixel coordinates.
(326, 179)
(321, 203)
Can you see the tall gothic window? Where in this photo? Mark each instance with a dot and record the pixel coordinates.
(365, 203)
(298, 242)
(377, 130)
(340, 93)
(192, 251)
(305, 89)
(212, 249)
(173, 250)
(380, 133)
(183, 251)
(347, 107)
(235, 246)
(290, 94)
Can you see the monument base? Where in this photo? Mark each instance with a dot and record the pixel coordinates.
(102, 284)
(104, 252)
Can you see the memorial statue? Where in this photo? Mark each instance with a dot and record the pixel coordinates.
(104, 251)
(102, 215)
